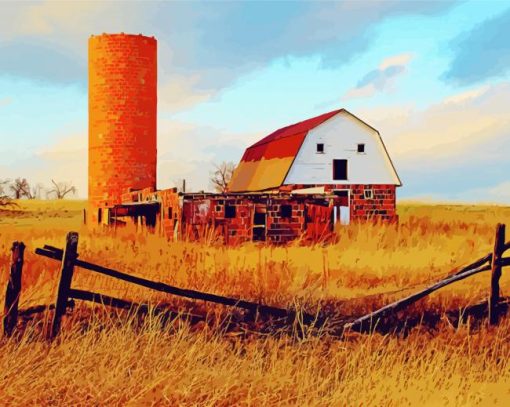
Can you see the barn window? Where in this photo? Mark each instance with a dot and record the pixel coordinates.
(343, 193)
(340, 170)
(369, 194)
(230, 211)
(361, 148)
(286, 211)
(320, 148)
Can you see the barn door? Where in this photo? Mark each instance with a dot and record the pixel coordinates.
(259, 224)
(342, 211)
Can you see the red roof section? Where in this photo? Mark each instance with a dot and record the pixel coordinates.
(286, 141)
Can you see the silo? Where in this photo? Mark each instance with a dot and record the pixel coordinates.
(122, 117)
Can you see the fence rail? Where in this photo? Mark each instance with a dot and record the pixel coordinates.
(493, 261)
(69, 260)
(129, 305)
(253, 307)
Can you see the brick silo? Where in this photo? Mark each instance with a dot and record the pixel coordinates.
(122, 117)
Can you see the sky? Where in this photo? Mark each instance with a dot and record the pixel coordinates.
(432, 76)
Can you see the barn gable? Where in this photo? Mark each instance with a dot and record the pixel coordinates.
(288, 155)
(266, 163)
(344, 138)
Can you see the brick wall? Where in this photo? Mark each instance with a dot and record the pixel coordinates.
(171, 213)
(233, 218)
(285, 220)
(371, 202)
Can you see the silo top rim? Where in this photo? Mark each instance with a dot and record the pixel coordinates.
(109, 35)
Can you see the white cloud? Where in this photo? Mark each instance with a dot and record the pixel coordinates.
(213, 42)
(178, 92)
(382, 79)
(51, 19)
(467, 96)
(452, 127)
(453, 148)
(184, 151)
(400, 59)
(499, 193)
(361, 92)
(189, 151)
(66, 160)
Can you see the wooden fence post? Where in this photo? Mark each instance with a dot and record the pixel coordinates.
(66, 277)
(13, 291)
(499, 244)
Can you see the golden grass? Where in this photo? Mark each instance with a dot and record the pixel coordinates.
(115, 361)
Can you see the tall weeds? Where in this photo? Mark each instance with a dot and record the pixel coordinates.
(108, 358)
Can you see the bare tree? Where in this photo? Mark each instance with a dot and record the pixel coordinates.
(61, 189)
(20, 188)
(5, 200)
(36, 191)
(3, 183)
(221, 175)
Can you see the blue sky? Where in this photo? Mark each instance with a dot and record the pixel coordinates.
(433, 77)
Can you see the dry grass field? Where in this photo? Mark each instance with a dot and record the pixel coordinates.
(109, 358)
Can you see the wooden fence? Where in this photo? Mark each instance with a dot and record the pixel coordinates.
(69, 260)
(493, 261)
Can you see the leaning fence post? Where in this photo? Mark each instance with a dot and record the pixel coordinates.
(13, 288)
(499, 244)
(66, 276)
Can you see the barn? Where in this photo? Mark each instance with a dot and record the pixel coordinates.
(336, 153)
